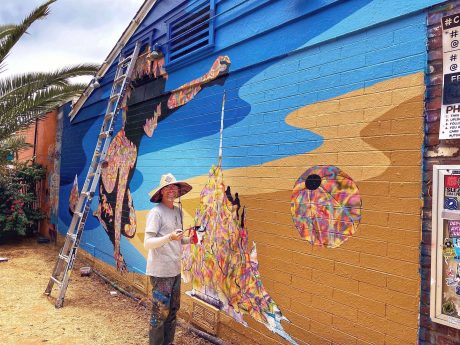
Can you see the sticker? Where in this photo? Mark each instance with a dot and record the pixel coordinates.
(457, 276)
(452, 278)
(448, 250)
(449, 253)
(452, 181)
(454, 228)
(457, 290)
(448, 308)
(452, 192)
(451, 204)
(451, 281)
(452, 319)
(456, 246)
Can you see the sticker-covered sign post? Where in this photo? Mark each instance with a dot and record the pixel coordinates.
(450, 109)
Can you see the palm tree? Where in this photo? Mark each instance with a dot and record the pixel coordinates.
(25, 97)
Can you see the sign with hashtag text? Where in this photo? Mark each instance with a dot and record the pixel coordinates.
(450, 109)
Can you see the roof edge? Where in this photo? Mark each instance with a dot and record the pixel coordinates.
(125, 36)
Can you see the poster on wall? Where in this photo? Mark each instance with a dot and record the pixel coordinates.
(450, 108)
(445, 256)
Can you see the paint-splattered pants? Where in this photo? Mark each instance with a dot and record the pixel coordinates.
(166, 303)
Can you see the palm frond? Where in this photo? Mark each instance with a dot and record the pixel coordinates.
(14, 35)
(24, 113)
(16, 84)
(6, 30)
(26, 97)
(12, 145)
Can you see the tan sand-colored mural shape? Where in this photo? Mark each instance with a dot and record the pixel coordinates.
(357, 128)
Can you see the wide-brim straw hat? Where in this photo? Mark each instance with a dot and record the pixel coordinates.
(166, 180)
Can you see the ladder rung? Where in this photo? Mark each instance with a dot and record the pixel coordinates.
(72, 236)
(56, 281)
(120, 78)
(79, 214)
(64, 257)
(105, 134)
(87, 194)
(125, 60)
(109, 115)
(114, 97)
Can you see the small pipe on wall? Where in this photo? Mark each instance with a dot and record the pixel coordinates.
(35, 140)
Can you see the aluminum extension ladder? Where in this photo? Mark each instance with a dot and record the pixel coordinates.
(66, 258)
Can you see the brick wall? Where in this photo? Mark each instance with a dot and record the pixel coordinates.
(368, 109)
(361, 95)
(42, 136)
(436, 152)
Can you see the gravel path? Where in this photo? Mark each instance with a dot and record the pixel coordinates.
(90, 314)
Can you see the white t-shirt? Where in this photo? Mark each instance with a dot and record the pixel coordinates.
(165, 260)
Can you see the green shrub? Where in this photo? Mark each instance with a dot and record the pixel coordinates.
(18, 212)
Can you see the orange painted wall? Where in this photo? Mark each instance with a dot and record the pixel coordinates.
(29, 133)
(45, 130)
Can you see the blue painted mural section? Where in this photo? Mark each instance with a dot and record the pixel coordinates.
(278, 65)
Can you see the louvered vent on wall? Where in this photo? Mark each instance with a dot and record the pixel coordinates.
(191, 32)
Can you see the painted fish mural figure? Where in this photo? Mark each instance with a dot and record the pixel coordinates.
(145, 105)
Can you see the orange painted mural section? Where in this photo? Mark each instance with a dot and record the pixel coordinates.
(45, 130)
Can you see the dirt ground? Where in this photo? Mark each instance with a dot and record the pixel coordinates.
(90, 314)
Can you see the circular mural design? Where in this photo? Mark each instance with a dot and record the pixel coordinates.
(325, 206)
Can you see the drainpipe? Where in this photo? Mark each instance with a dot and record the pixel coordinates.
(35, 140)
(38, 192)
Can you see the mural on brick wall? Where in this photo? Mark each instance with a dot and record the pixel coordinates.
(54, 157)
(116, 210)
(325, 206)
(343, 107)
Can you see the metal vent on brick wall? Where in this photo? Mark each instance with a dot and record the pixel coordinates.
(205, 316)
(191, 32)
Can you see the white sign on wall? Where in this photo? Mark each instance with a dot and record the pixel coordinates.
(450, 109)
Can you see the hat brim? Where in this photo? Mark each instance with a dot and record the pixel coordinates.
(184, 188)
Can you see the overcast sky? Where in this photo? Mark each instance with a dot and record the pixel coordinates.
(75, 31)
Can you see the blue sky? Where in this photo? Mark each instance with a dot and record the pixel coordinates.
(74, 32)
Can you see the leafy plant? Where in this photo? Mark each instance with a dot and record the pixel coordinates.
(18, 211)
